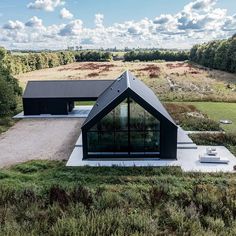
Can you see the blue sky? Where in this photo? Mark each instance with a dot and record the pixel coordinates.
(134, 23)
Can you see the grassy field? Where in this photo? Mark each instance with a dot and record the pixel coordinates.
(47, 198)
(172, 81)
(219, 111)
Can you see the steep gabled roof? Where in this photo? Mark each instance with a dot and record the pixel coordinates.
(129, 84)
(81, 89)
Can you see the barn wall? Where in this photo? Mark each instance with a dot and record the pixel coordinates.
(168, 140)
(54, 106)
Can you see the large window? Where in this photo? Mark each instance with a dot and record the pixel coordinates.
(127, 130)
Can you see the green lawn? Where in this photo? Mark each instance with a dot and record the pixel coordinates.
(218, 111)
(47, 198)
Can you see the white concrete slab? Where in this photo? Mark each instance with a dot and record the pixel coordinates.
(79, 141)
(182, 137)
(78, 112)
(76, 159)
(187, 159)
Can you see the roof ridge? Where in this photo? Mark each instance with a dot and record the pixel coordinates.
(127, 78)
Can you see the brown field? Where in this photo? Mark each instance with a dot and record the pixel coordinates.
(171, 81)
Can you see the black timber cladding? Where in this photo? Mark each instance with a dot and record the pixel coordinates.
(129, 86)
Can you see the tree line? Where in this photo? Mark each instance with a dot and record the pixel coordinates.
(93, 56)
(218, 54)
(167, 55)
(26, 62)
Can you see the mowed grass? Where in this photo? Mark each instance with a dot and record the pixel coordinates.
(219, 111)
(47, 198)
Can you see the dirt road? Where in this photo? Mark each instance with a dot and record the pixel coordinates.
(29, 139)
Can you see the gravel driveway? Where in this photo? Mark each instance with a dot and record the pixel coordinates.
(32, 139)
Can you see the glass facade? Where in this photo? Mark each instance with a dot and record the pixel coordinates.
(127, 130)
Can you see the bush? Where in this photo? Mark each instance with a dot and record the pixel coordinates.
(214, 139)
(200, 124)
(189, 118)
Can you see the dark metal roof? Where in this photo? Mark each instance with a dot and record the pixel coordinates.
(81, 89)
(120, 86)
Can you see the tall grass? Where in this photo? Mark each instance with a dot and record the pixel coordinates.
(47, 198)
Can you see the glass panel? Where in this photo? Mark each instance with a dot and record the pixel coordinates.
(110, 134)
(121, 142)
(107, 122)
(92, 139)
(117, 119)
(136, 116)
(151, 123)
(137, 141)
(121, 116)
(152, 141)
(106, 141)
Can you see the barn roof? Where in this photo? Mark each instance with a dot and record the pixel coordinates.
(80, 89)
(127, 82)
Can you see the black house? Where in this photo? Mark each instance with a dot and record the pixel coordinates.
(57, 97)
(128, 121)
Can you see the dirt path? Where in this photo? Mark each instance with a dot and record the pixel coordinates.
(39, 139)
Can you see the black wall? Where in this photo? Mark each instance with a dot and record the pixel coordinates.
(53, 106)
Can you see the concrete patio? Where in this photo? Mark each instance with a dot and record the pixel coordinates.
(78, 112)
(187, 158)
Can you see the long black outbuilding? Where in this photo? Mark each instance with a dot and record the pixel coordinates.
(57, 97)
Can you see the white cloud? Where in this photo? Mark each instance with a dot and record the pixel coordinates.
(197, 22)
(74, 28)
(34, 22)
(47, 5)
(14, 25)
(99, 20)
(200, 5)
(66, 14)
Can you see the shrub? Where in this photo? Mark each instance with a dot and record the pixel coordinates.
(83, 195)
(214, 139)
(199, 124)
(216, 225)
(158, 194)
(58, 194)
(189, 118)
(109, 200)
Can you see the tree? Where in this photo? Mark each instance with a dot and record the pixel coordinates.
(7, 98)
(220, 54)
(9, 88)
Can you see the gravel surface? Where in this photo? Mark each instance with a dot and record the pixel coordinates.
(32, 139)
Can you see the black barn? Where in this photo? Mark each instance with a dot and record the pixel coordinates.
(57, 97)
(129, 121)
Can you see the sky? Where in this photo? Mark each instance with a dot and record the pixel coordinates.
(57, 24)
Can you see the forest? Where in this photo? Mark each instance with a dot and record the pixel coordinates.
(218, 54)
(26, 62)
(153, 55)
